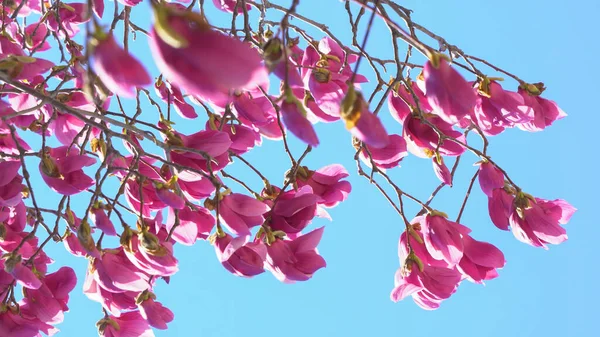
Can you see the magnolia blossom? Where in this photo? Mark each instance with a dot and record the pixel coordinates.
(326, 183)
(387, 157)
(199, 60)
(118, 70)
(239, 213)
(61, 168)
(240, 257)
(295, 260)
(450, 96)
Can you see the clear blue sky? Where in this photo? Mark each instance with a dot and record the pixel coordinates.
(538, 293)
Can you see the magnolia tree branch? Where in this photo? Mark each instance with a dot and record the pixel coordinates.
(77, 103)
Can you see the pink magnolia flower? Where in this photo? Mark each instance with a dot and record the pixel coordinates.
(12, 323)
(497, 108)
(537, 221)
(441, 170)
(115, 273)
(118, 70)
(201, 61)
(11, 186)
(243, 138)
(427, 279)
(128, 324)
(195, 187)
(401, 102)
(294, 210)
(12, 239)
(239, 213)
(194, 223)
(422, 139)
(428, 287)
(151, 201)
(251, 108)
(72, 245)
(30, 6)
(8, 144)
(230, 5)
(49, 302)
(114, 303)
(240, 257)
(172, 95)
(70, 15)
(154, 312)
(442, 238)
(480, 260)
(67, 127)
(326, 183)
(294, 119)
(101, 219)
(448, 93)
(387, 157)
(35, 35)
(490, 178)
(361, 123)
(210, 142)
(286, 69)
(500, 206)
(543, 112)
(61, 169)
(148, 252)
(21, 67)
(20, 272)
(321, 74)
(295, 260)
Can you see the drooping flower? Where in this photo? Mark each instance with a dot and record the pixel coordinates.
(387, 157)
(154, 312)
(450, 96)
(172, 95)
(295, 260)
(537, 221)
(21, 273)
(118, 70)
(194, 223)
(543, 112)
(480, 260)
(199, 60)
(442, 238)
(61, 169)
(429, 281)
(500, 206)
(239, 213)
(497, 109)
(401, 102)
(115, 273)
(441, 170)
(294, 118)
(490, 178)
(101, 219)
(240, 257)
(326, 183)
(428, 287)
(294, 210)
(363, 124)
(128, 324)
(422, 139)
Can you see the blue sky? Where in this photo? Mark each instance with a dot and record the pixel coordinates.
(538, 292)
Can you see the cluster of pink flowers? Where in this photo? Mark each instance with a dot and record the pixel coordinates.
(252, 232)
(24, 263)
